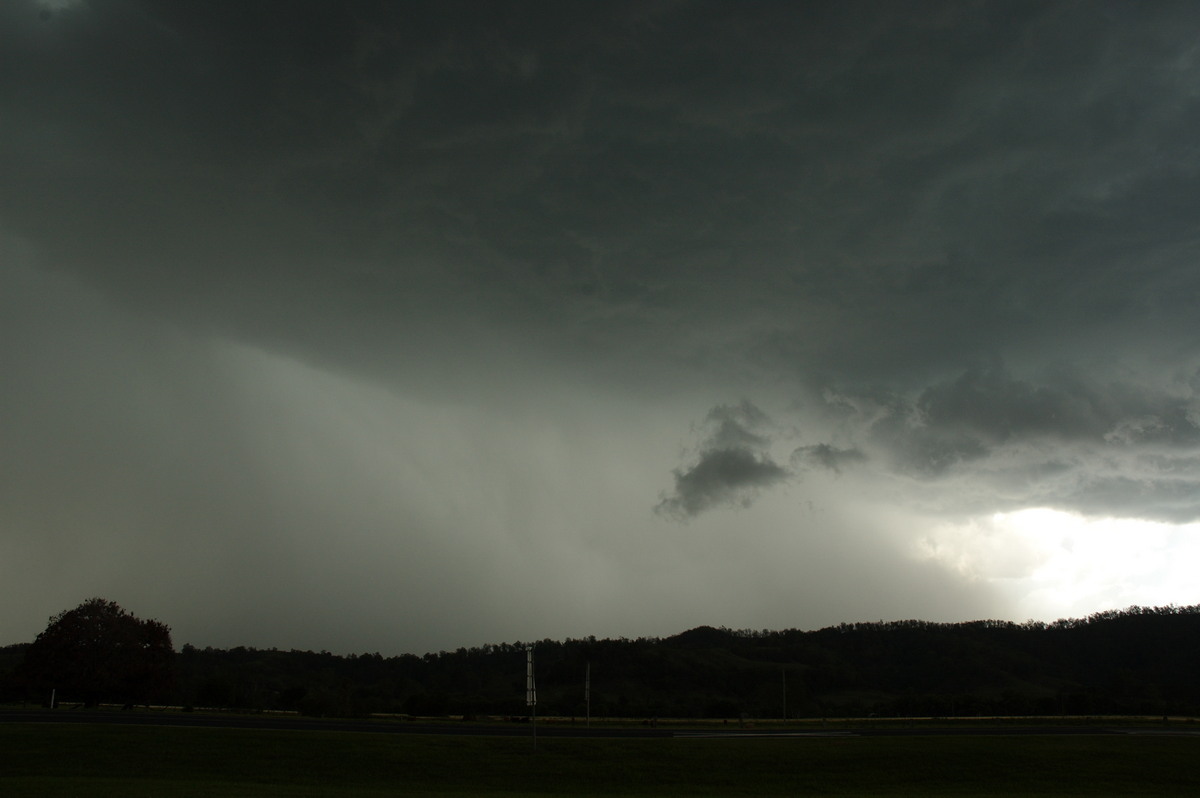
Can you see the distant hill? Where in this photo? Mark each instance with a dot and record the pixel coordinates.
(1141, 660)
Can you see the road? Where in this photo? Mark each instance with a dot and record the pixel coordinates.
(300, 723)
(555, 729)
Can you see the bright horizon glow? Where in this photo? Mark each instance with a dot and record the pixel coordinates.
(1055, 564)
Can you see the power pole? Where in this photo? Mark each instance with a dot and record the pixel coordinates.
(531, 692)
(587, 693)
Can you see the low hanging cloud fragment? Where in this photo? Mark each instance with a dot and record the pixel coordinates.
(733, 464)
(721, 477)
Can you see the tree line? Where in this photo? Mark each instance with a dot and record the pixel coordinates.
(1140, 660)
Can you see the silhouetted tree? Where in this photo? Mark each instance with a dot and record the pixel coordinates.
(100, 652)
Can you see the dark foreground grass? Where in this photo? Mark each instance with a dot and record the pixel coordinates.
(97, 760)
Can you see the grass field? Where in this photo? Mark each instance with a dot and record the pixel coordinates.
(126, 761)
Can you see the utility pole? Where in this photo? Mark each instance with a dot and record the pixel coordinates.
(587, 693)
(531, 692)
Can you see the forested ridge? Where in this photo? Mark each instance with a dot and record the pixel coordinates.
(1142, 660)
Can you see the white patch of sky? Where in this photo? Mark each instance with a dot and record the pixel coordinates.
(1053, 564)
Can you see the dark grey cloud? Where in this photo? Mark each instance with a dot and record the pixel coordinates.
(732, 466)
(935, 179)
(445, 277)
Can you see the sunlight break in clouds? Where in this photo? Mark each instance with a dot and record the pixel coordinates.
(1054, 564)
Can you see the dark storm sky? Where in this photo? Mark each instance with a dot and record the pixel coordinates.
(402, 326)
